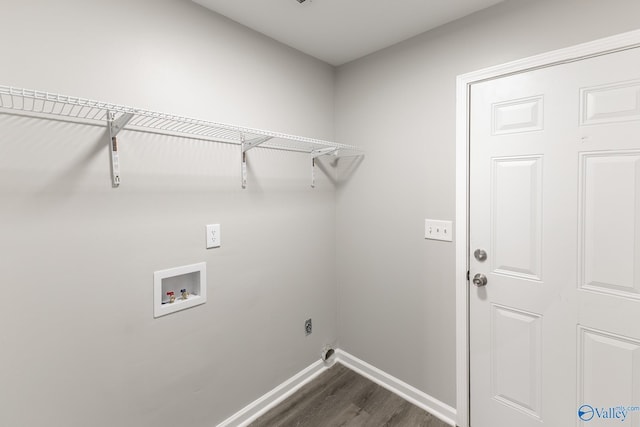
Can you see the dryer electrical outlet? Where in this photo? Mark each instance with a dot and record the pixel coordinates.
(213, 236)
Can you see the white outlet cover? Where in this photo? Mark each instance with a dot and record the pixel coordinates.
(213, 236)
(438, 230)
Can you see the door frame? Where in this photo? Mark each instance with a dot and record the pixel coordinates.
(463, 113)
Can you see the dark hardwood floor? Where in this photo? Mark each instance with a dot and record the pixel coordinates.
(341, 397)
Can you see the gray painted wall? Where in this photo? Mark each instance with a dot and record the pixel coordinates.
(80, 346)
(396, 296)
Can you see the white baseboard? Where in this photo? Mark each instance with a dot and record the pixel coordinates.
(422, 400)
(259, 407)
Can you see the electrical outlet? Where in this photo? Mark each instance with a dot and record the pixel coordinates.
(213, 236)
(308, 327)
(438, 230)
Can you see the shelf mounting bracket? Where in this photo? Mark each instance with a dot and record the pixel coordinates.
(319, 153)
(115, 126)
(246, 146)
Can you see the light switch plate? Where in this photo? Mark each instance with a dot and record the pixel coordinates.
(438, 230)
(213, 236)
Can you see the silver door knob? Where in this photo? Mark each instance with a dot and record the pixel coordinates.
(480, 255)
(480, 280)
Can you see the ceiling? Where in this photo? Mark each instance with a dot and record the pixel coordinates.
(339, 31)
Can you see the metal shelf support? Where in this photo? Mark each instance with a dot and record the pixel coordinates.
(314, 155)
(115, 126)
(246, 146)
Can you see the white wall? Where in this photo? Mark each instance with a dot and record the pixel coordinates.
(79, 344)
(396, 293)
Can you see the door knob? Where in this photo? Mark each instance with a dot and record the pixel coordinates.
(480, 255)
(480, 280)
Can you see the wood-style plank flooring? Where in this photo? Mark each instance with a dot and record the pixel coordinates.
(341, 397)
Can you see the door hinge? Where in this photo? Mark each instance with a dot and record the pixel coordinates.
(468, 275)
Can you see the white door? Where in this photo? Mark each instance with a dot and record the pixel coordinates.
(555, 205)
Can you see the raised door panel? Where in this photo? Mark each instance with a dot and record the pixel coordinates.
(610, 217)
(516, 351)
(521, 115)
(608, 380)
(610, 103)
(516, 217)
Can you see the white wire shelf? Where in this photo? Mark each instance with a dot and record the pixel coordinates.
(120, 117)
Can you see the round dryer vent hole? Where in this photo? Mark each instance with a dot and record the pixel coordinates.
(327, 353)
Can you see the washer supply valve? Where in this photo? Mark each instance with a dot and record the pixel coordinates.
(172, 297)
(185, 294)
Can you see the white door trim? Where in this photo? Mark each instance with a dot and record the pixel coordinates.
(464, 82)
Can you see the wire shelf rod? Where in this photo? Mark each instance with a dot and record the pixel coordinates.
(76, 109)
(95, 110)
